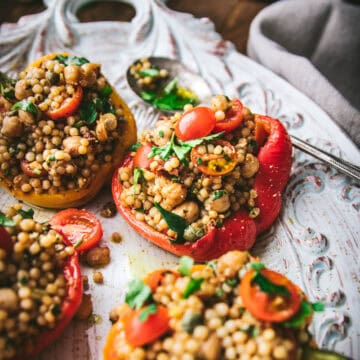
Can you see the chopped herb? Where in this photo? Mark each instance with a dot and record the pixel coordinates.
(171, 86)
(148, 95)
(78, 243)
(137, 294)
(79, 124)
(24, 280)
(218, 223)
(87, 112)
(186, 263)
(106, 91)
(9, 94)
(176, 179)
(218, 194)
(253, 143)
(25, 105)
(226, 157)
(56, 309)
(26, 214)
(4, 221)
(269, 287)
(219, 292)
(7, 86)
(151, 309)
(192, 286)
(37, 171)
(190, 320)
(300, 317)
(138, 174)
(174, 221)
(149, 72)
(50, 158)
(257, 266)
(161, 134)
(71, 60)
(251, 330)
(196, 142)
(199, 161)
(95, 319)
(231, 282)
(134, 147)
(172, 101)
(212, 264)
(140, 210)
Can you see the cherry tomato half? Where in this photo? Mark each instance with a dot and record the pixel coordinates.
(233, 118)
(68, 106)
(79, 227)
(33, 169)
(5, 240)
(214, 164)
(138, 333)
(155, 278)
(266, 307)
(140, 159)
(195, 123)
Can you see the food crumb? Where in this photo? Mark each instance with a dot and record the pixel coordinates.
(108, 210)
(116, 237)
(98, 256)
(85, 281)
(98, 277)
(85, 309)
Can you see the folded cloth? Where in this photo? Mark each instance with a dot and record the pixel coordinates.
(315, 45)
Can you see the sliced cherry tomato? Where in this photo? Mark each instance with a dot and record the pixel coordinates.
(138, 333)
(266, 307)
(32, 169)
(79, 227)
(155, 278)
(215, 164)
(233, 118)
(140, 159)
(68, 106)
(5, 240)
(195, 123)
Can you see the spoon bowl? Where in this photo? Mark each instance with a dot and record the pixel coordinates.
(186, 79)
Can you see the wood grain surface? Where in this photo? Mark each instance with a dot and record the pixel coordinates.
(232, 18)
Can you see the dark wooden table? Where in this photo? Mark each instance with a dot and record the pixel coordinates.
(232, 18)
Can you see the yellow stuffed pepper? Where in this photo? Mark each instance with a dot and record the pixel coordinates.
(63, 130)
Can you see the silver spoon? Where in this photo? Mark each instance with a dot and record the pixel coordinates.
(198, 85)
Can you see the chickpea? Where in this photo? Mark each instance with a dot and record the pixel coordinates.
(71, 144)
(8, 300)
(22, 90)
(188, 210)
(220, 204)
(98, 256)
(26, 117)
(72, 74)
(250, 167)
(88, 73)
(12, 126)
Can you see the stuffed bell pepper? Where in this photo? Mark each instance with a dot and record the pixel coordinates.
(206, 181)
(40, 284)
(63, 130)
(231, 308)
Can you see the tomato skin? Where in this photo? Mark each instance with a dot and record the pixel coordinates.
(26, 169)
(140, 159)
(5, 240)
(208, 159)
(195, 123)
(68, 106)
(259, 303)
(233, 118)
(138, 333)
(78, 225)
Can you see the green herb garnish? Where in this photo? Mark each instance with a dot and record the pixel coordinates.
(87, 112)
(138, 174)
(218, 194)
(78, 243)
(257, 266)
(151, 309)
(134, 147)
(56, 309)
(148, 95)
(186, 263)
(4, 221)
(231, 282)
(149, 72)
(171, 86)
(269, 287)
(137, 294)
(106, 91)
(7, 85)
(71, 60)
(161, 134)
(251, 330)
(26, 214)
(174, 221)
(25, 105)
(192, 286)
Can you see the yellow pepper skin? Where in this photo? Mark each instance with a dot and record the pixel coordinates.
(76, 198)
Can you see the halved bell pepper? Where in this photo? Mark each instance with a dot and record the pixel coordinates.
(69, 305)
(239, 230)
(75, 198)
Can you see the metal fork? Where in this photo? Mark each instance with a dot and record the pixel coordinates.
(343, 166)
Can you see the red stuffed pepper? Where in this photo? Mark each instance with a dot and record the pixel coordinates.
(40, 284)
(207, 181)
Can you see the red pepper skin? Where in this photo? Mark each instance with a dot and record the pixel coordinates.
(239, 231)
(69, 307)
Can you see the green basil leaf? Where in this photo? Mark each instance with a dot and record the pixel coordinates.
(149, 72)
(218, 194)
(196, 142)
(148, 95)
(257, 266)
(137, 294)
(269, 287)
(171, 86)
(151, 309)
(25, 105)
(175, 222)
(72, 60)
(106, 91)
(87, 112)
(26, 214)
(192, 286)
(62, 59)
(134, 147)
(186, 263)
(4, 221)
(212, 264)
(300, 317)
(181, 152)
(9, 94)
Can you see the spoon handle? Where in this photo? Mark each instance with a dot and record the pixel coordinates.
(343, 166)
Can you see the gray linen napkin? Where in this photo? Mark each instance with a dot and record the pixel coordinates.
(315, 45)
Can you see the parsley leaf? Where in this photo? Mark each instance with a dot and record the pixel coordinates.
(106, 91)
(149, 72)
(174, 221)
(87, 111)
(171, 86)
(192, 286)
(186, 263)
(4, 221)
(26, 214)
(303, 313)
(25, 105)
(137, 294)
(318, 306)
(269, 287)
(134, 147)
(151, 309)
(257, 266)
(218, 194)
(71, 60)
(148, 95)
(138, 174)
(196, 142)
